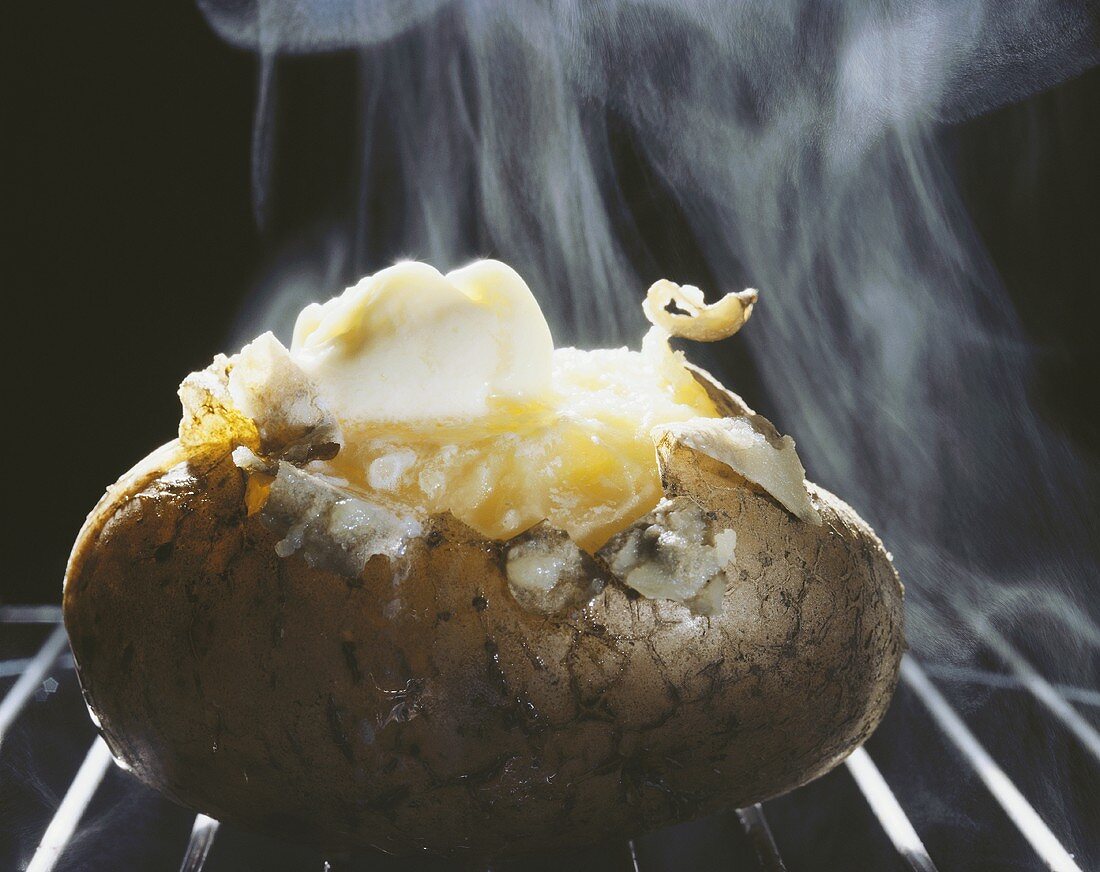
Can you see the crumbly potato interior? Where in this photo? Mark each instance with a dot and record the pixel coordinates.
(581, 457)
(421, 393)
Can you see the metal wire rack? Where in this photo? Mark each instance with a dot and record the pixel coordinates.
(971, 813)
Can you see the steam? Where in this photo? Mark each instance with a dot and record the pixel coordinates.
(793, 146)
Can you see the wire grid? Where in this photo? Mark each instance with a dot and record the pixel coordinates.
(32, 674)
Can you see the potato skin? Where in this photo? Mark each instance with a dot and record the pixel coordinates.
(419, 706)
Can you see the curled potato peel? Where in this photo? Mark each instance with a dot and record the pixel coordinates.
(680, 310)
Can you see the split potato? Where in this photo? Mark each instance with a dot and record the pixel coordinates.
(430, 699)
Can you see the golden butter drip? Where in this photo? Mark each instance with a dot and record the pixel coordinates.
(582, 459)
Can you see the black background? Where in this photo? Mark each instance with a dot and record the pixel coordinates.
(131, 244)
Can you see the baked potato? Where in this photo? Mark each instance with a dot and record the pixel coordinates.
(269, 643)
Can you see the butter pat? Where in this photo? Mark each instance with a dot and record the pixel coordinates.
(410, 345)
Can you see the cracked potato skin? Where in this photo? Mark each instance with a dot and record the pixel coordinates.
(420, 706)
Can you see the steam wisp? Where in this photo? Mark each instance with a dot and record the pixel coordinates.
(796, 146)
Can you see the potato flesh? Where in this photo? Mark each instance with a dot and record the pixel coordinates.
(429, 394)
(443, 393)
(581, 457)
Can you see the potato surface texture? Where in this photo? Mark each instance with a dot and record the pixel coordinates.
(417, 705)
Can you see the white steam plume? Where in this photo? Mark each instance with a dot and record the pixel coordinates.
(799, 143)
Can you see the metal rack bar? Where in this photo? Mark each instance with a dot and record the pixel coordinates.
(199, 844)
(23, 689)
(72, 807)
(760, 835)
(633, 856)
(1042, 689)
(8, 668)
(889, 812)
(39, 614)
(1079, 695)
(1018, 809)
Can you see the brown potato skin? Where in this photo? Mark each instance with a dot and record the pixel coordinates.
(428, 710)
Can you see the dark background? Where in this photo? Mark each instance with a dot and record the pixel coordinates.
(131, 245)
